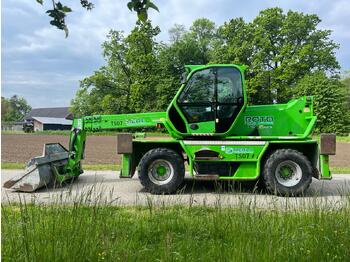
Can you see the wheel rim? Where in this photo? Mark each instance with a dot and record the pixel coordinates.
(160, 172)
(288, 173)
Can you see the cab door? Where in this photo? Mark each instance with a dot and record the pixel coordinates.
(229, 97)
(212, 100)
(197, 102)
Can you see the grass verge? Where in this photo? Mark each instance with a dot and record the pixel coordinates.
(340, 170)
(11, 165)
(106, 167)
(96, 233)
(343, 138)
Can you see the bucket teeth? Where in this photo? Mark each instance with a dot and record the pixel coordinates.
(10, 183)
(39, 173)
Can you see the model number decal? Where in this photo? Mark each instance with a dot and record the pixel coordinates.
(116, 123)
(244, 156)
(239, 153)
(135, 121)
(130, 122)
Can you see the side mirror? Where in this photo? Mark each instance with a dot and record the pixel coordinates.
(183, 78)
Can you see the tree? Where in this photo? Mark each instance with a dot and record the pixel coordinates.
(144, 67)
(14, 108)
(176, 33)
(59, 11)
(128, 82)
(346, 81)
(203, 31)
(330, 101)
(190, 47)
(279, 48)
(186, 47)
(5, 107)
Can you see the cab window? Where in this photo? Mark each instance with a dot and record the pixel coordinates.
(200, 88)
(197, 97)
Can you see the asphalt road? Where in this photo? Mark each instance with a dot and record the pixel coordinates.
(105, 187)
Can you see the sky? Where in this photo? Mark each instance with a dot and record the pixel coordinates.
(41, 65)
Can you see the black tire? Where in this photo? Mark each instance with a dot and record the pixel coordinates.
(298, 177)
(174, 168)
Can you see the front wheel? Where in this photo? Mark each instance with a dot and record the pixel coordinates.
(287, 172)
(161, 171)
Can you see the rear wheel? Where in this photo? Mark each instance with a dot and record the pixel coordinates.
(161, 171)
(287, 172)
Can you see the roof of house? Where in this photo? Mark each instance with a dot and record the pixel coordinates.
(55, 112)
(53, 120)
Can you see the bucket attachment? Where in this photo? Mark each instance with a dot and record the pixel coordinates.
(40, 171)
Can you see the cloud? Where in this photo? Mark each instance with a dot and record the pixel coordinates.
(39, 63)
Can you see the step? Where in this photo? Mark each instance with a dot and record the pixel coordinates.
(207, 177)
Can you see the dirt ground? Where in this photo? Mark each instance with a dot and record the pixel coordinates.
(99, 149)
(20, 148)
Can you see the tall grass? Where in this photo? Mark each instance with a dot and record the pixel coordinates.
(91, 231)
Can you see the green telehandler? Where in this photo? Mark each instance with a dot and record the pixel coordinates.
(212, 129)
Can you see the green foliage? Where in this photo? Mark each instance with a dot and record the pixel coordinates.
(129, 78)
(59, 11)
(193, 46)
(85, 231)
(330, 102)
(141, 7)
(58, 14)
(346, 82)
(141, 57)
(186, 47)
(279, 48)
(14, 108)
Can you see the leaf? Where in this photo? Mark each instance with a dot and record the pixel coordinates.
(142, 15)
(130, 5)
(66, 9)
(50, 12)
(59, 6)
(40, 1)
(86, 4)
(54, 23)
(152, 5)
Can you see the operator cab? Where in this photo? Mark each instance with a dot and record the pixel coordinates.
(210, 101)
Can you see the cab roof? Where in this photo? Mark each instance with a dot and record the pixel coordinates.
(190, 68)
